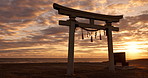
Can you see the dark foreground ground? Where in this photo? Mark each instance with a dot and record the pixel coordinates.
(138, 69)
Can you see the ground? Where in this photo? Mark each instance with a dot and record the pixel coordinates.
(138, 69)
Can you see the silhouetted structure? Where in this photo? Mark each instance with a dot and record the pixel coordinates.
(120, 58)
(72, 23)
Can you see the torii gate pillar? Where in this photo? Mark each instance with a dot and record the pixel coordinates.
(110, 47)
(70, 66)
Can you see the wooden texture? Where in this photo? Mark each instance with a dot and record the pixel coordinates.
(77, 13)
(110, 48)
(70, 66)
(85, 25)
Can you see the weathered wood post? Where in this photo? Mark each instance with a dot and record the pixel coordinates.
(70, 66)
(110, 47)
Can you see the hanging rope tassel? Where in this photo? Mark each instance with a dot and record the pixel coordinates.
(82, 34)
(87, 34)
(95, 34)
(100, 37)
(91, 36)
(104, 32)
(91, 39)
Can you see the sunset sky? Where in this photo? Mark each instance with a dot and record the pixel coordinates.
(29, 29)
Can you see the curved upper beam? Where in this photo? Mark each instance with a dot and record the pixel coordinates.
(77, 13)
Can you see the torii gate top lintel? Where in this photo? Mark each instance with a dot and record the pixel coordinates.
(77, 13)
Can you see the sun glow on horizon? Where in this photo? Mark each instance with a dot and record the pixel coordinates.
(132, 47)
(132, 50)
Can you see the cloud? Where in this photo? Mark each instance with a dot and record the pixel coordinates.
(29, 26)
(55, 30)
(138, 2)
(17, 14)
(145, 12)
(22, 51)
(126, 7)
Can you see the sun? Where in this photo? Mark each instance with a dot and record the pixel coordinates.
(132, 47)
(132, 50)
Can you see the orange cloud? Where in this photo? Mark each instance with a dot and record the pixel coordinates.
(35, 23)
(136, 3)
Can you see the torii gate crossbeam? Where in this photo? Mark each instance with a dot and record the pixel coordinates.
(72, 23)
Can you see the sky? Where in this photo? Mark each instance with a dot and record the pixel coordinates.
(30, 29)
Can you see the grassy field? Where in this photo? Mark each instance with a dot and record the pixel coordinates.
(137, 69)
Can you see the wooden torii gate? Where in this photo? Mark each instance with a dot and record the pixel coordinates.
(72, 23)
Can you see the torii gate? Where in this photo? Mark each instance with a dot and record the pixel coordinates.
(72, 23)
